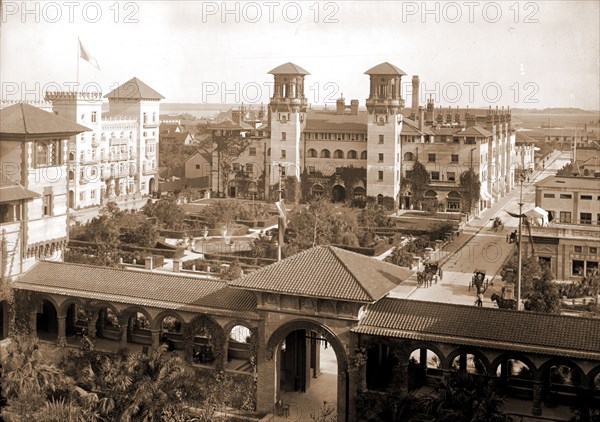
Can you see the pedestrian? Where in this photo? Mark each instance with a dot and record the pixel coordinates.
(435, 278)
(441, 273)
(479, 301)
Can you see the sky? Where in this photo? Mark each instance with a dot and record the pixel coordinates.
(525, 54)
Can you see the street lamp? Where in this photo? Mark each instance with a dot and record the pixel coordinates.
(520, 262)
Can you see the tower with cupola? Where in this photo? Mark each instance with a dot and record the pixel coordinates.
(287, 115)
(383, 131)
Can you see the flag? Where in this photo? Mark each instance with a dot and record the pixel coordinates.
(281, 223)
(85, 55)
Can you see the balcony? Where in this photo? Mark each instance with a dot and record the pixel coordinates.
(119, 141)
(119, 156)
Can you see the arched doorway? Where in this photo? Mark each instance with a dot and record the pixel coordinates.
(308, 357)
(47, 321)
(338, 192)
(239, 348)
(232, 189)
(407, 200)
(170, 330)
(317, 190)
(108, 325)
(469, 360)
(516, 374)
(151, 186)
(453, 201)
(423, 362)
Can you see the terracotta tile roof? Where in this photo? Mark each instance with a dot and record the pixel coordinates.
(568, 182)
(142, 288)
(288, 69)
(475, 131)
(445, 131)
(25, 119)
(328, 120)
(385, 68)
(327, 272)
(483, 327)
(134, 89)
(12, 191)
(229, 125)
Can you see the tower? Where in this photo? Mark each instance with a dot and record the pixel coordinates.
(383, 131)
(287, 110)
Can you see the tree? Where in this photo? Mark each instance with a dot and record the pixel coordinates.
(470, 186)
(373, 215)
(402, 258)
(228, 145)
(544, 297)
(167, 212)
(459, 397)
(419, 181)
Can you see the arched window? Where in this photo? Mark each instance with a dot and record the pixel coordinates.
(325, 153)
(338, 153)
(409, 156)
(312, 153)
(352, 155)
(363, 155)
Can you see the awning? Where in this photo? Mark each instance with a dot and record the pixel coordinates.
(483, 193)
(538, 216)
(16, 192)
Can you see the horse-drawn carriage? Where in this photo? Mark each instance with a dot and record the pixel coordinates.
(429, 275)
(478, 280)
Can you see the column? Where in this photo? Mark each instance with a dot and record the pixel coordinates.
(62, 329)
(536, 408)
(123, 340)
(585, 398)
(91, 329)
(155, 339)
(33, 323)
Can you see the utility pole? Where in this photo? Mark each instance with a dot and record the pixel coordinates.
(520, 263)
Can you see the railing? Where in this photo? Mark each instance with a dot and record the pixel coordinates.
(576, 231)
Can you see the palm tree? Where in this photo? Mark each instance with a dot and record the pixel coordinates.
(460, 397)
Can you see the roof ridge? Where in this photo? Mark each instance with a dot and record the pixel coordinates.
(24, 117)
(334, 250)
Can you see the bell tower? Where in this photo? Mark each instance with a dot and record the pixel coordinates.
(383, 131)
(287, 115)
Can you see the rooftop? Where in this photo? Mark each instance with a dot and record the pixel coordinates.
(329, 120)
(288, 68)
(385, 68)
(141, 288)
(13, 191)
(327, 272)
(134, 89)
(25, 119)
(566, 182)
(477, 326)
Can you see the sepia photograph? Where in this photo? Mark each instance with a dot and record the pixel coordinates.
(312, 210)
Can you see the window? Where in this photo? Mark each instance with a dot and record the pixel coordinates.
(48, 153)
(283, 136)
(578, 249)
(47, 205)
(456, 140)
(93, 194)
(312, 153)
(94, 117)
(145, 120)
(252, 152)
(454, 158)
(154, 117)
(236, 166)
(325, 153)
(363, 155)
(338, 170)
(282, 171)
(431, 158)
(451, 176)
(598, 219)
(338, 153)
(585, 218)
(593, 250)
(566, 196)
(470, 140)
(352, 155)
(81, 196)
(249, 168)
(577, 268)
(381, 158)
(380, 176)
(381, 139)
(586, 197)
(9, 213)
(283, 153)
(435, 175)
(197, 166)
(549, 195)
(311, 170)
(408, 156)
(565, 217)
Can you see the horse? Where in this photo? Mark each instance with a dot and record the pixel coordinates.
(504, 303)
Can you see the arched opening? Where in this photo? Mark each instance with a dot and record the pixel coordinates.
(308, 358)
(47, 321)
(352, 155)
(207, 340)
(138, 329)
(380, 199)
(422, 363)
(108, 325)
(469, 361)
(312, 153)
(359, 193)
(75, 320)
(409, 156)
(232, 188)
(317, 190)
(170, 326)
(595, 386)
(453, 201)
(151, 187)
(71, 199)
(325, 153)
(239, 349)
(338, 153)
(516, 374)
(363, 155)
(561, 380)
(338, 193)
(407, 200)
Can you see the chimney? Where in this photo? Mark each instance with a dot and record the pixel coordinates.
(429, 114)
(415, 93)
(421, 118)
(149, 263)
(354, 107)
(236, 116)
(340, 106)
(177, 265)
